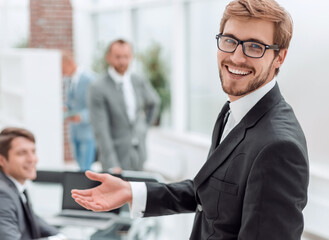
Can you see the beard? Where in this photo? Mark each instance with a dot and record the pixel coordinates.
(121, 69)
(252, 85)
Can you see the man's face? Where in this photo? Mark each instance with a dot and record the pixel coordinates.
(22, 160)
(240, 74)
(67, 68)
(119, 57)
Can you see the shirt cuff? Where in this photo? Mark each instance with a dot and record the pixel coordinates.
(138, 204)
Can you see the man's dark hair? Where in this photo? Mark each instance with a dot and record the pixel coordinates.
(7, 135)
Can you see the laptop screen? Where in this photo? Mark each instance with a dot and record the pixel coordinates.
(76, 180)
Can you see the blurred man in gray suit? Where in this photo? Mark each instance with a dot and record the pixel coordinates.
(122, 106)
(17, 164)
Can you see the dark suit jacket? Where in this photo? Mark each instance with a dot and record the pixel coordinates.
(13, 223)
(253, 185)
(115, 135)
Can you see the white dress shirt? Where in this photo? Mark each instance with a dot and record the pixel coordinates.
(128, 91)
(238, 109)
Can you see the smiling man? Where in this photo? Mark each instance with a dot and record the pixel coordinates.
(18, 161)
(251, 66)
(253, 185)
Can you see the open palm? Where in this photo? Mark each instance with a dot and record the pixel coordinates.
(112, 193)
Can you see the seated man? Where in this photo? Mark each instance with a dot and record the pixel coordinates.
(17, 164)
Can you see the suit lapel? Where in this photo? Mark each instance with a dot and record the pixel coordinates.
(10, 183)
(219, 155)
(74, 90)
(23, 219)
(70, 89)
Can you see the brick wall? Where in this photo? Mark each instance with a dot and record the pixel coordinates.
(51, 24)
(51, 27)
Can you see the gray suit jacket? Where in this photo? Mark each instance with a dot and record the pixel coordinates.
(13, 223)
(121, 143)
(253, 186)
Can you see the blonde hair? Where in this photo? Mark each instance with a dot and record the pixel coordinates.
(268, 10)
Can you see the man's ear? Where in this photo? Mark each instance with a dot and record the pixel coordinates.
(3, 161)
(108, 58)
(280, 58)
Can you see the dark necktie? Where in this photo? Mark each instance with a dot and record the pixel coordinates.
(220, 135)
(35, 232)
(220, 125)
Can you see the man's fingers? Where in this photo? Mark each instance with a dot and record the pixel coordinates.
(86, 197)
(85, 193)
(95, 176)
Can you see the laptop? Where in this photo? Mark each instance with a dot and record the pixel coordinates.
(72, 214)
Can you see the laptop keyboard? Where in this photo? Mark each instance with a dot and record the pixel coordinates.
(82, 221)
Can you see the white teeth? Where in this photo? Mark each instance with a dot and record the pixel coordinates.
(240, 72)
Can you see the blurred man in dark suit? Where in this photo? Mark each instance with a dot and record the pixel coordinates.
(18, 161)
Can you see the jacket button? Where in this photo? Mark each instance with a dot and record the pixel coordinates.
(199, 207)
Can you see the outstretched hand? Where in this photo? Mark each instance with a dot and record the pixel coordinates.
(112, 193)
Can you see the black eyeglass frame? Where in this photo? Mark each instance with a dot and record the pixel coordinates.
(274, 47)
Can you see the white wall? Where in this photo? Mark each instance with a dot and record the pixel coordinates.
(304, 82)
(31, 97)
(304, 76)
(14, 22)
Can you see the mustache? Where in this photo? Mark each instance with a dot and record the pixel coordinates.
(246, 66)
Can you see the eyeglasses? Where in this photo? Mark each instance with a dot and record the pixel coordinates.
(250, 48)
